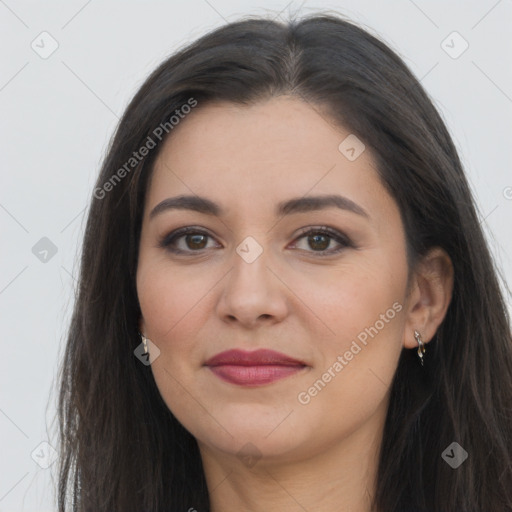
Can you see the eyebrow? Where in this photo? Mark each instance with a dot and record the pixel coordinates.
(288, 207)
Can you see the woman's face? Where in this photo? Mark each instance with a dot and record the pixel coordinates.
(249, 276)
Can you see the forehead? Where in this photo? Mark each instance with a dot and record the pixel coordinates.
(261, 154)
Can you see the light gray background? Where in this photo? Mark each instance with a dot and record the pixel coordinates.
(57, 115)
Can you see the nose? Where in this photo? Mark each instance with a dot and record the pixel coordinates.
(253, 293)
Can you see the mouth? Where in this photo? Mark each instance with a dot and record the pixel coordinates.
(253, 368)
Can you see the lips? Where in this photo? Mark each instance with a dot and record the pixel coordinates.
(255, 358)
(253, 368)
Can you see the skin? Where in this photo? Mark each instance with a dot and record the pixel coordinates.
(317, 456)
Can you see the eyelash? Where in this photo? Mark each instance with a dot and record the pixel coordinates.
(167, 241)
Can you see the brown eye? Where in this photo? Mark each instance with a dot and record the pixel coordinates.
(196, 241)
(193, 239)
(318, 240)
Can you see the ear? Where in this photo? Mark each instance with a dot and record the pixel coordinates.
(429, 296)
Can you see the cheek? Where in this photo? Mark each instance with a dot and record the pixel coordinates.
(172, 304)
(169, 298)
(346, 300)
(353, 378)
(359, 338)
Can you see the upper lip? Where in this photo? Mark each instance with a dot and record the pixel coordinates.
(254, 358)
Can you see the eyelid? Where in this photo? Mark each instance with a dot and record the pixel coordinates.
(322, 229)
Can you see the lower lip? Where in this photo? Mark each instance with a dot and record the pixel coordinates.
(253, 375)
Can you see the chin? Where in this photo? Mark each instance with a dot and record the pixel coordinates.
(252, 434)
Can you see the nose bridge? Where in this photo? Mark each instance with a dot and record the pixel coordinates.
(250, 263)
(251, 289)
(251, 259)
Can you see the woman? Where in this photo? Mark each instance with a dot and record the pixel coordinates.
(286, 301)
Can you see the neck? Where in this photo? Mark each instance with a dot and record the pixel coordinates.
(342, 476)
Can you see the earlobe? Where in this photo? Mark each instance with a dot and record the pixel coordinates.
(430, 296)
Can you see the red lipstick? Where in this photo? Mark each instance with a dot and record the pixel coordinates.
(253, 368)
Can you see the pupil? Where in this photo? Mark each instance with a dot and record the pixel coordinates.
(196, 240)
(316, 237)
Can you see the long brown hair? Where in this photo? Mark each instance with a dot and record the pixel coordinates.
(122, 449)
